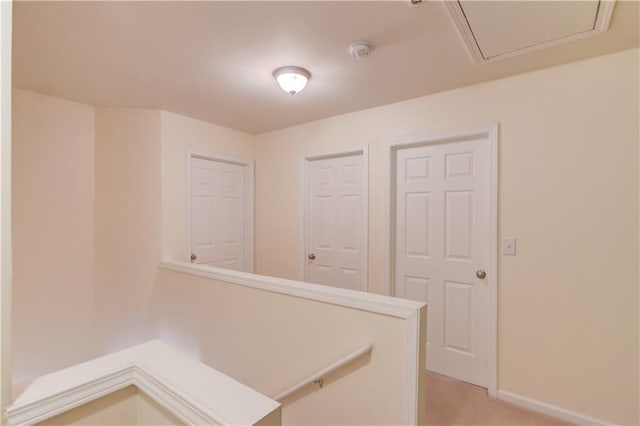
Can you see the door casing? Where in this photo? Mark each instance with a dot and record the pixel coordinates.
(304, 203)
(249, 213)
(489, 132)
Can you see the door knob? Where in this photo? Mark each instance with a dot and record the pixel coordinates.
(193, 257)
(481, 274)
(312, 256)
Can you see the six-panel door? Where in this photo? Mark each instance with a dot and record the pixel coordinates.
(336, 222)
(218, 213)
(442, 246)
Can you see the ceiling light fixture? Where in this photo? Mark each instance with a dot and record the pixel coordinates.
(292, 79)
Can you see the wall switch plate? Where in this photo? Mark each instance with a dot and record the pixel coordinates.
(509, 246)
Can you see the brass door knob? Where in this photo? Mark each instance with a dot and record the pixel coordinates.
(481, 274)
(193, 257)
(312, 256)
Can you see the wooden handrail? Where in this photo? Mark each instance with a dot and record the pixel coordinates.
(318, 376)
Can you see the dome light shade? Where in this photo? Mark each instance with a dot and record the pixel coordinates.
(292, 79)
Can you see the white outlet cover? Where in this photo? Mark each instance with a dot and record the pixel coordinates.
(509, 246)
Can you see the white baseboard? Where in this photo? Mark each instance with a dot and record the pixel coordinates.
(548, 409)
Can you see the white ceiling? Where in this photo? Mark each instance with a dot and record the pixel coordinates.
(213, 60)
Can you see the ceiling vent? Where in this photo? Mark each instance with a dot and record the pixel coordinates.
(501, 29)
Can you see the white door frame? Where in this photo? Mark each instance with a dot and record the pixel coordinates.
(489, 132)
(304, 202)
(249, 213)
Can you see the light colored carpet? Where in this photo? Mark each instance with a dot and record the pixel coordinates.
(450, 402)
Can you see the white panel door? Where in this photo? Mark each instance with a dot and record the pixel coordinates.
(442, 244)
(218, 214)
(336, 222)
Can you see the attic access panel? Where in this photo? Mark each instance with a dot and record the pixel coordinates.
(494, 30)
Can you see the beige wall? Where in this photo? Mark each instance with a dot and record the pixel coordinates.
(568, 191)
(87, 235)
(128, 203)
(53, 225)
(569, 187)
(151, 413)
(271, 341)
(125, 407)
(88, 190)
(180, 134)
(140, 207)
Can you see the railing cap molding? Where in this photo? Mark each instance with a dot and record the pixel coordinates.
(371, 302)
(194, 392)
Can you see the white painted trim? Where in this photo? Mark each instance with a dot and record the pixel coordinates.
(193, 392)
(413, 369)
(303, 180)
(162, 393)
(601, 24)
(549, 410)
(408, 310)
(460, 21)
(304, 207)
(491, 133)
(492, 385)
(605, 12)
(5, 204)
(249, 200)
(370, 302)
(360, 352)
(413, 363)
(389, 217)
(42, 409)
